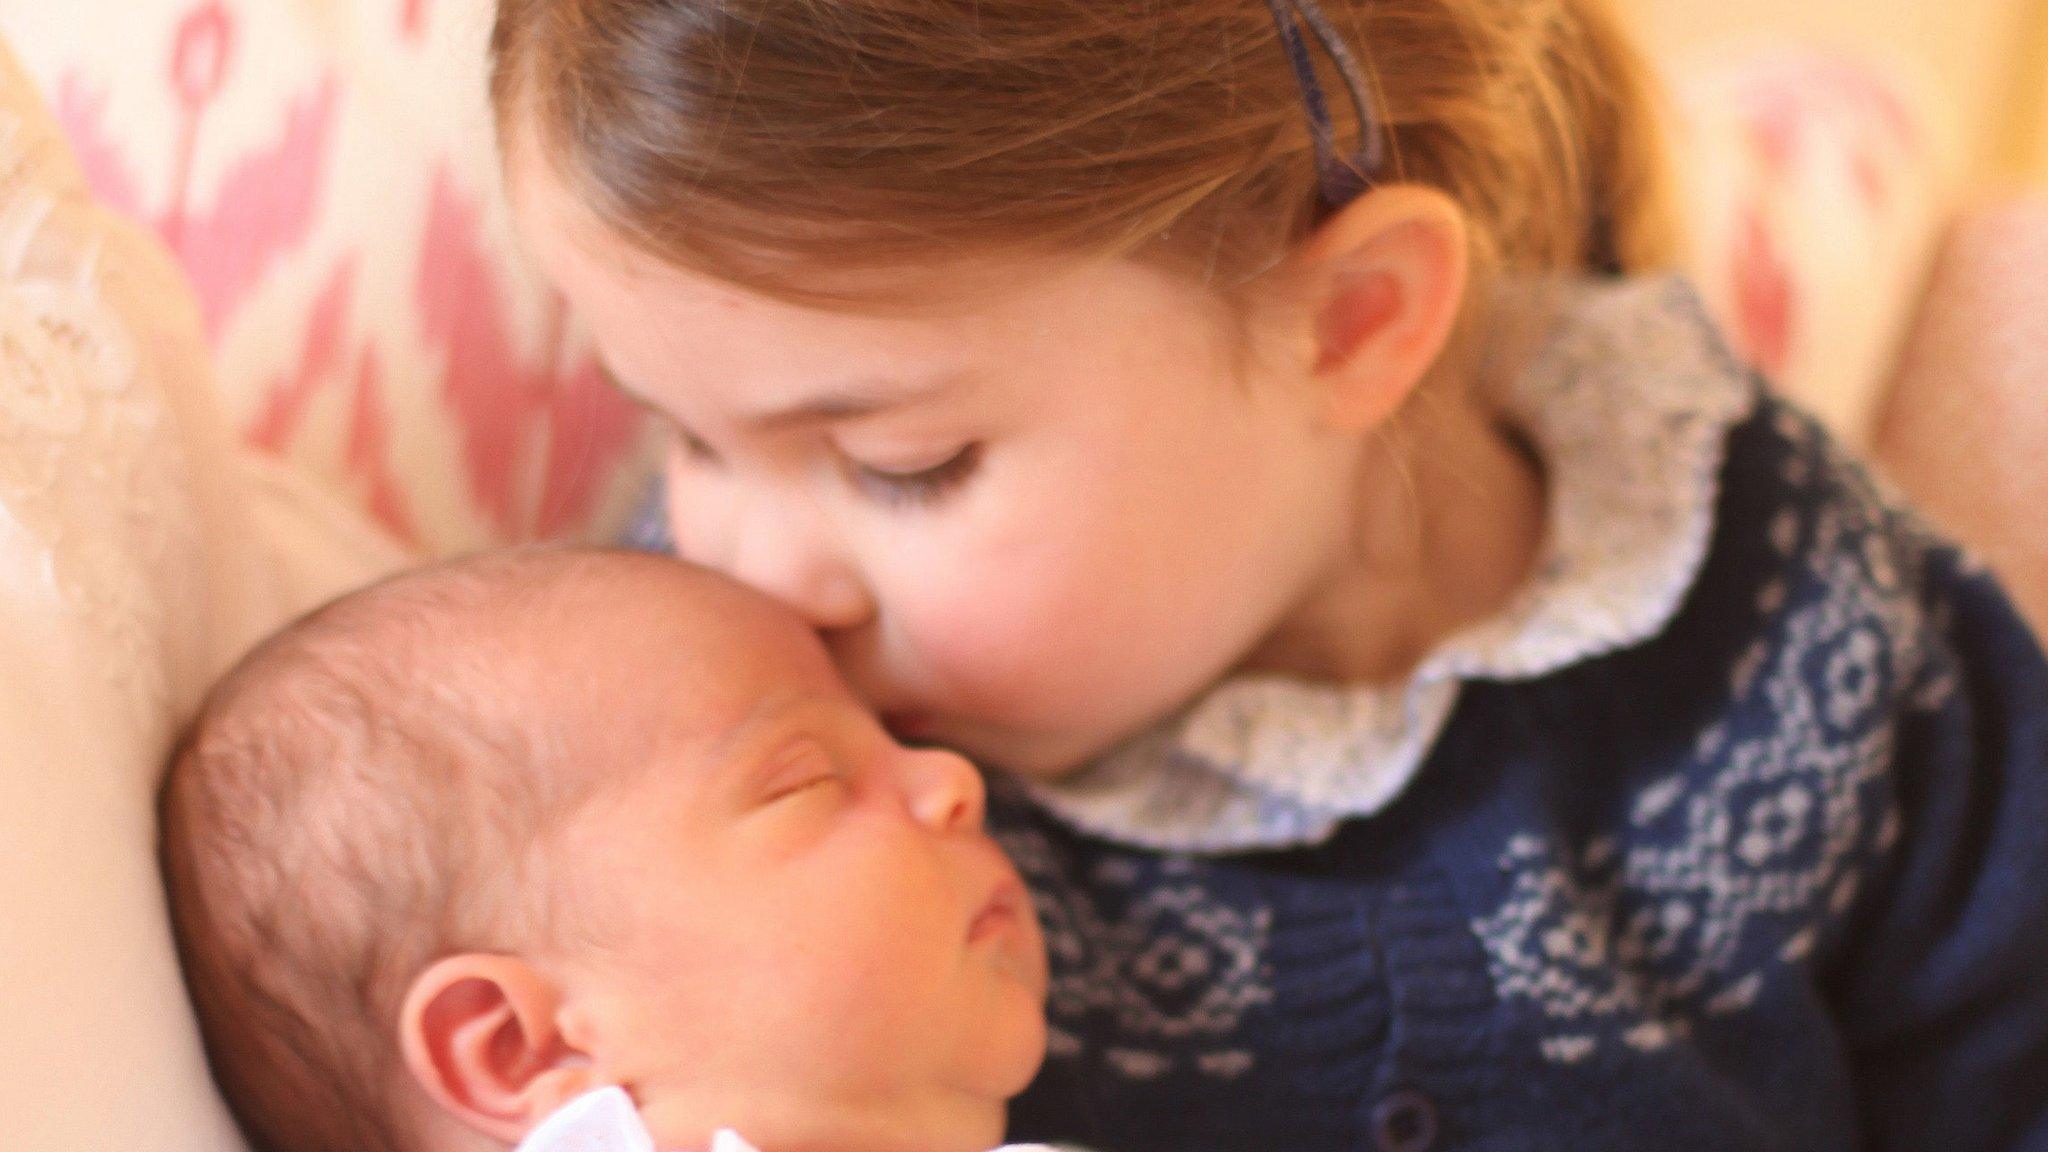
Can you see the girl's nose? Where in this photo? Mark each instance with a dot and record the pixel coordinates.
(946, 792)
(787, 554)
(826, 594)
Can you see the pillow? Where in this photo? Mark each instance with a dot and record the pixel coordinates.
(137, 557)
(1965, 432)
(326, 174)
(1816, 189)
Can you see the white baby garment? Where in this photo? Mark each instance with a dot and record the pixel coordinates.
(604, 1120)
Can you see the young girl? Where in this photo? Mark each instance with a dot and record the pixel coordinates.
(1449, 702)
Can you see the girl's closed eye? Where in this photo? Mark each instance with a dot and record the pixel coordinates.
(917, 486)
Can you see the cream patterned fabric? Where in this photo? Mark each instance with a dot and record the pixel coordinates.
(325, 173)
(137, 557)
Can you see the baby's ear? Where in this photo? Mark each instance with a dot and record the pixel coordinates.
(482, 1035)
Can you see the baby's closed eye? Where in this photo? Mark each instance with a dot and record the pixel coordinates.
(802, 768)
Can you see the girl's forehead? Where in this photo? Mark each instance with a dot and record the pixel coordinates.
(648, 315)
(678, 341)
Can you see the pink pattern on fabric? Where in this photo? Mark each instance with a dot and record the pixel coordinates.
(591, 428)
(369, 449)
(540, 442)
(320, 358)
(1807, 120)
(585, 427)
(1839, 99)
(1873, 180)
(1764, 295)
(323, 363)
(1874, 96)
(82, 115)
(265, 208)
(1775, 129)
(199, 59)
(266, 202)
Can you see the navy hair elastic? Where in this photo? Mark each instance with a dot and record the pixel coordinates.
(1338, 180)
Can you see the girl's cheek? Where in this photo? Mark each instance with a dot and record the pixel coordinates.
(992, 632)
(686, 520)
(988, 595)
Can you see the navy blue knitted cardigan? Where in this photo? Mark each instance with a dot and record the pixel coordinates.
(1776, 878)
(1762, 865)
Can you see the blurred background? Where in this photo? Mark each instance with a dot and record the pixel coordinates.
(1987, 60)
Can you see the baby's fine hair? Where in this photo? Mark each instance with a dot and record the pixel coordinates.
(352, 802)
(760, 141)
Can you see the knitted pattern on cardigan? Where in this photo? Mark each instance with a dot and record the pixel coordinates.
(1770, 874)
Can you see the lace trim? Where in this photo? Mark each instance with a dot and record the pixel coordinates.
(92, 514)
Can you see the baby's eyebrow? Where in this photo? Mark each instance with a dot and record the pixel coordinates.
(749, 747)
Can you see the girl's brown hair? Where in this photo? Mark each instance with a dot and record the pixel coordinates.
(765, 142)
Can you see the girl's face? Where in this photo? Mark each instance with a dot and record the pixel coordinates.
(1025, 531)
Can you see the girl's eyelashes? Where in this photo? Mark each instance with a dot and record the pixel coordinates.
(693, 446)
(920, 488)
(890, 487)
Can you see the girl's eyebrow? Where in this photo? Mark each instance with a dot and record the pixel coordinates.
(845, 401)
(851, 400)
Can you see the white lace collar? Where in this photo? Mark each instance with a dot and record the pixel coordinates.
(1629, 403)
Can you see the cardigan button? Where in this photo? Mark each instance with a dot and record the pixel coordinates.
(1405, 1121)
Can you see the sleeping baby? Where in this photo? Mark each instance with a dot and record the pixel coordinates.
(457, 857)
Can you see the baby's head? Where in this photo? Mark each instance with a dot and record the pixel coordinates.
(455, 849)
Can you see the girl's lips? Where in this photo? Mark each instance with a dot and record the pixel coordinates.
(910, 726)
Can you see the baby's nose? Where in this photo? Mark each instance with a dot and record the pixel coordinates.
(947, 793)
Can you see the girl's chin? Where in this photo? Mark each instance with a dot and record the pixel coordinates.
(1031, 754)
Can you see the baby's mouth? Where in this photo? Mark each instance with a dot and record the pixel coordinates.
(1003, 912)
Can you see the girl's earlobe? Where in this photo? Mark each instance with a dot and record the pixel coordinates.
(481, 1035)
(1391, 273)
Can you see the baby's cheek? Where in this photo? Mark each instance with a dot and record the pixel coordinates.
(681, 1122)
(883, 986)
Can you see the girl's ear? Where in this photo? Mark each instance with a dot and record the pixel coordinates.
(1385, 277)
(482, 1035)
